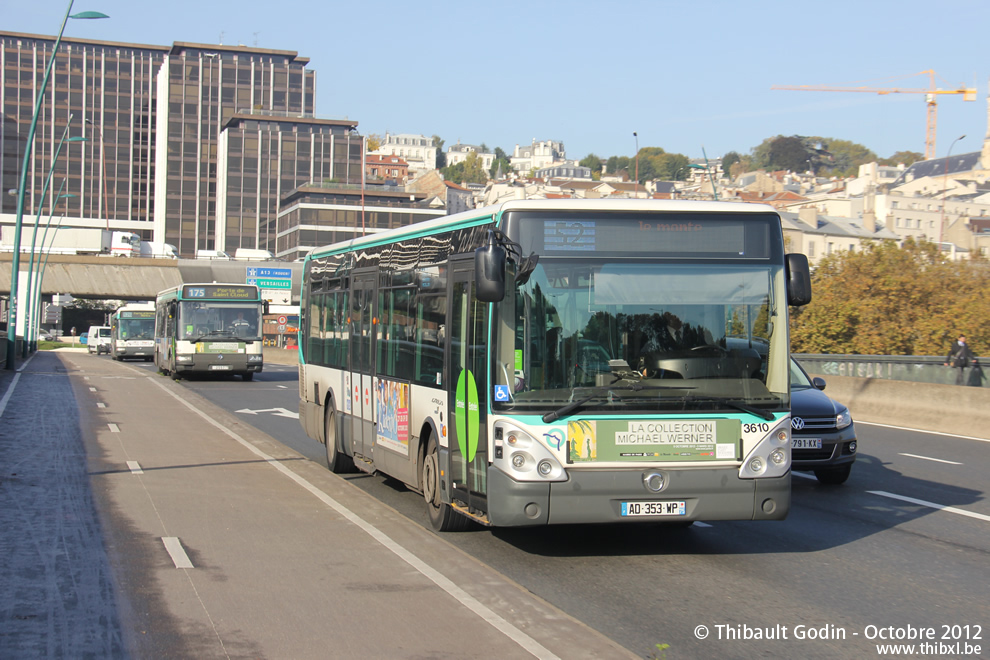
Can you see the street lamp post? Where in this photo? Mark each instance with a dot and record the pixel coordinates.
(28, 148)
(28, 320)
(35, 325)
(945, 185)
(637, 162)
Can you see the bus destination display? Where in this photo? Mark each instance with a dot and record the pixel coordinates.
(219, 292)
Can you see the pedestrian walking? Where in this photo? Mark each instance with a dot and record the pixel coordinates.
(960, 356)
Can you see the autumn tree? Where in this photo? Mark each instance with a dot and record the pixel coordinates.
(890, 300)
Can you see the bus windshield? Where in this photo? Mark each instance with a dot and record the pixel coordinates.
(136, 328)
(204, 320)
(640, 336)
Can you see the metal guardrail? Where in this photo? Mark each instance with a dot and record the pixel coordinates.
(914, 368)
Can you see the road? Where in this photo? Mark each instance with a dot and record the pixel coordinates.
(902, 546)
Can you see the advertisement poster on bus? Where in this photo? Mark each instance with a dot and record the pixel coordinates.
(653, 440)
(392, 402)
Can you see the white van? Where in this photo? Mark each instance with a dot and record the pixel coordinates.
(249, 254)
(213, 254)
(98, 339)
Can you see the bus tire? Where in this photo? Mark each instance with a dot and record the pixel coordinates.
(247, 375)
(174, 375)
(337, 462)
(442, 517)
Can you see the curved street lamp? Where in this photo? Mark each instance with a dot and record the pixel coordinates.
(43, 265)
(945, 185)
(15, 264)
(28, 321)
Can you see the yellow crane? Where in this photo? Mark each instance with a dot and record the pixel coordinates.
(931, 94)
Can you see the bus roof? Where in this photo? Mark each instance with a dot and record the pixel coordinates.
(486, 214)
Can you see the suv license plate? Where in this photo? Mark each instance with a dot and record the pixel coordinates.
(632, 509)
(806, 443)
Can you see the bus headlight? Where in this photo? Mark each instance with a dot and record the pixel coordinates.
(255, 358)
(183, 358)
(525, 457)
(771, 457)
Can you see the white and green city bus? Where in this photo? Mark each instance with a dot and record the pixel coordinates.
(132, 332)
(209, 328)
(560, 361)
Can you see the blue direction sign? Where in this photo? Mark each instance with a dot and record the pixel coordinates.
(275, 273)
(270, 283)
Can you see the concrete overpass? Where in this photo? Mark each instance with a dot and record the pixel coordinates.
(129, 278)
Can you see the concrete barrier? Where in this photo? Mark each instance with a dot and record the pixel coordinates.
(927, 406)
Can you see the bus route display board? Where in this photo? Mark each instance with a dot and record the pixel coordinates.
(150, 314)
(219, 292)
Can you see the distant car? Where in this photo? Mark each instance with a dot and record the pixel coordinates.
(83, 338)
(823, 438)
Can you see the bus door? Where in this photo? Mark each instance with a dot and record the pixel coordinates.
(467, 386)
(361, 362)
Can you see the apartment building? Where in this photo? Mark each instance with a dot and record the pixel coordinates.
(417, 150)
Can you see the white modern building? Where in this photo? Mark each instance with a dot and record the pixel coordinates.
(417, 150)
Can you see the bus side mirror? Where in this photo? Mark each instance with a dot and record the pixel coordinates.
(489, 273)
(798, 279)
(265, 305)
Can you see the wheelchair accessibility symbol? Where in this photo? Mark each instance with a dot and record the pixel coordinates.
(501, 392)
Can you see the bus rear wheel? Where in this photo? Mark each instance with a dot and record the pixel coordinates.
(338, 462)
(442, 517)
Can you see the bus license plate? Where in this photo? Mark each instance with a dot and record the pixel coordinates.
(219, 367)
(630, 509)
(806, 443)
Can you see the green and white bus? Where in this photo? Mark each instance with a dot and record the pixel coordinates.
(132, 332)
(560, 361)
(209, 328)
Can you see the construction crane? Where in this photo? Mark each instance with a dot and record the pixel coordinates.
(931, 94)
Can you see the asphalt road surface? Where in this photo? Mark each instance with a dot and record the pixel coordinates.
(897, 555)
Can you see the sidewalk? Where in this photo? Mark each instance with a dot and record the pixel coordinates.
(139, 520)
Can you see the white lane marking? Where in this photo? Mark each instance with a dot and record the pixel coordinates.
(466, 599)
(114, 428)
(92, 389)
(929, 458)
(10, 392)
(282, 387)
(176, 551)
(85, 377)
(907, 428)
(134, 467)
(932, 505)
(100, 404)
(803, 475)
(277, 412)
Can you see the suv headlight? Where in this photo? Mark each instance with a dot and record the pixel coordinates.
(843, 419)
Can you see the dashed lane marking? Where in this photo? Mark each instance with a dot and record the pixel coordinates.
(929, 458)
(177, 552)
(114, 428)
(100, 404)
(92, 389)
(932, 505)
(134, 467)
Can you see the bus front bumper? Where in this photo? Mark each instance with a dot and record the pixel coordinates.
(237, 363)
(596, 496)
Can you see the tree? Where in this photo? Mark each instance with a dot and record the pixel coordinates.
(468, 170)
(441, 155)
(890, 300)
(788, 153)
(728, 160)
(902, 157)
(592, 161)
(373, 142)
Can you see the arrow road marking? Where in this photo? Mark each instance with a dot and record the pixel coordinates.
(278, 412)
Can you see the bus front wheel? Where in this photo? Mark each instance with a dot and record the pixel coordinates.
(338, 462)
(442, 517)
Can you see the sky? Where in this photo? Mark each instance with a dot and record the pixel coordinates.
(690, 77)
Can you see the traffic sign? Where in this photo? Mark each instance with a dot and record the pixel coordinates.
(282, 320)
(277, 296)
(279, 273)
(269, 283)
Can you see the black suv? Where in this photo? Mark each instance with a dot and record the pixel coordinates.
(823, 438)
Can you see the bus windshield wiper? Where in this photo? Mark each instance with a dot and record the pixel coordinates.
(598, 391)
(738, 405)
